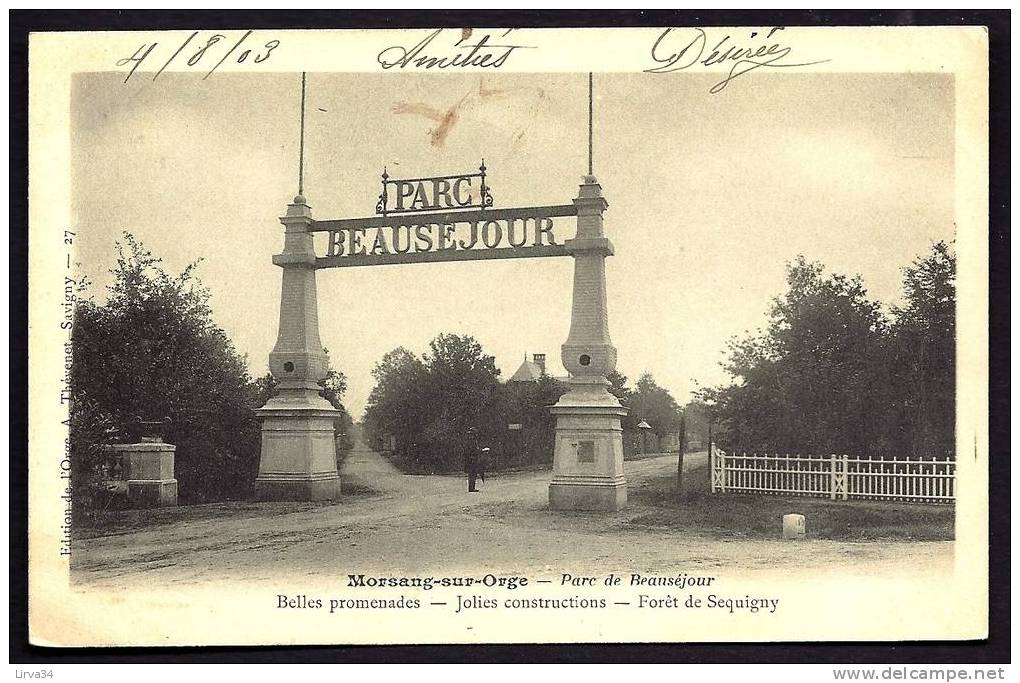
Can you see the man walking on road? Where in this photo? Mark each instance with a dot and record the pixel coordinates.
(471, 467)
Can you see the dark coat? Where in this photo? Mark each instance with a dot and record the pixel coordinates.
(471, 462)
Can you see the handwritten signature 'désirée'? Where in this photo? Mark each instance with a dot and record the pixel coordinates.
(679, 49)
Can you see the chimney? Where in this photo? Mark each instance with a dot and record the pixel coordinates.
(539, 360)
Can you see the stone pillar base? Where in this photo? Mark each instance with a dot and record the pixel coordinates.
(297, 489)
(588, 455)
(298, 452)
(595, 495)
(148, 493)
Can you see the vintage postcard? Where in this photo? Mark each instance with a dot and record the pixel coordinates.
(490, 335)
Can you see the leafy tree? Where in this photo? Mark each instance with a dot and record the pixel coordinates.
(438, 406)
(804, 383)
(653, 404)
(462, 395)
(527, 404)
(463, 382)
(924, 355)
(831, 373)
(334, 386)
(697, 415)
(649, 402)
(152, 351)
(397, 405)
(618, 385)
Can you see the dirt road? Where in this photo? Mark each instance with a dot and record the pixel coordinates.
(411, 524)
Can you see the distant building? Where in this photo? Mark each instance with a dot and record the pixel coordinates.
(531, 370)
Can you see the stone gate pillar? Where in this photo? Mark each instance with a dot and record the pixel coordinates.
(298, 459)
(588, 455)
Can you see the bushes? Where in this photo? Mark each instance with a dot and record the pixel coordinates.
(833, 373)
(152, 351)
(89, 434)
(437, 407)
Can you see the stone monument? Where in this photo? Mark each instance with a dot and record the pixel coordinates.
(149, 466)
(298, 459)
(793, 526)
(588, 451)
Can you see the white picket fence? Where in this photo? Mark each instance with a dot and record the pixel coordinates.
(838, 477)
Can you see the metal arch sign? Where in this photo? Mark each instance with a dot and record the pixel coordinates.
(447, 192)
(444, 218)
(437, 219)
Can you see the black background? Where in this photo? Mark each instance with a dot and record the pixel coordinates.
(993, 650)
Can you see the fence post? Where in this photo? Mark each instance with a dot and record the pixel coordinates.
(951, 488)
(846, 476)
(713, 465)
(721, 455)
(832, 477)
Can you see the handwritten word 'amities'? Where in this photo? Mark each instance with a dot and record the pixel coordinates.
(481, 54)
(678, 49)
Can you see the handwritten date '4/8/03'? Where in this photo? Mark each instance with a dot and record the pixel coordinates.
(205, 52)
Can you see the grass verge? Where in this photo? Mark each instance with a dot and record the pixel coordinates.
(117, 522)
(760, 516)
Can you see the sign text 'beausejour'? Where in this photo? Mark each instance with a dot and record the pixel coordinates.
(516, 233)
(441, 218)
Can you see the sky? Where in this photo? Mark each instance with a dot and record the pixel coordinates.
(710, 195)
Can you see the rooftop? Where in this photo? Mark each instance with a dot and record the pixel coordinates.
(528, 372)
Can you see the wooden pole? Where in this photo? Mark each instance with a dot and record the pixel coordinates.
(591, 112)
(680, 458)
(301, 143)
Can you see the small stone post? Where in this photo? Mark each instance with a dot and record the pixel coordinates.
(793, 526)
(150, 472)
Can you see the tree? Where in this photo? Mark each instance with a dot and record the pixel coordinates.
(697, 414)
(655, 405)
(647, 401)
(618, 385)
(463, 381)
(334, 386)
(462, 393)
(396, 406)
(527, 404)
(831, 373)
(924, 355)
(152, 351)
(805, 382)
(438, 406)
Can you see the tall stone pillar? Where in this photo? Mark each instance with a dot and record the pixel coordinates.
(588, 455)
(298, 448)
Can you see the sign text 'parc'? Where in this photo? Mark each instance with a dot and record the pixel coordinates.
(441, 218)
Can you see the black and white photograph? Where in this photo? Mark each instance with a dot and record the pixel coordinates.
(465, 344)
